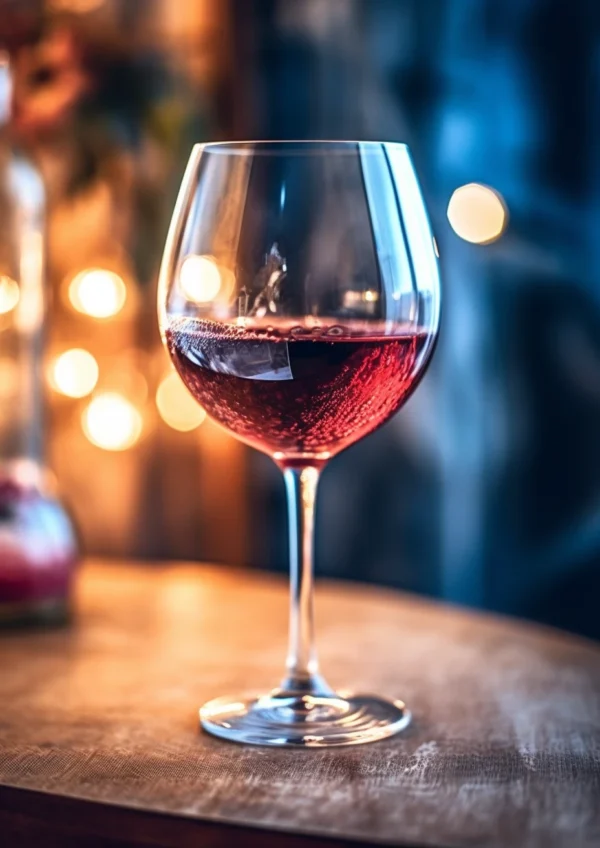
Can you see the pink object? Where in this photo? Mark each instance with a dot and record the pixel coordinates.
(38, 548)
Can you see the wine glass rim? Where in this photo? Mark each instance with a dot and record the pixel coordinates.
(303, 146)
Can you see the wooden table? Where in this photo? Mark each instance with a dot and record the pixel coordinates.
(99, 743)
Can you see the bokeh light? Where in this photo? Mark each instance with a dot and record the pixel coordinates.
(176, 406)
(78, 7)
(97, 292)
(9, 294)
(9, 384)
(477, 213)
(123, 373)
(200, 278)
(111, 422)
(74, 373)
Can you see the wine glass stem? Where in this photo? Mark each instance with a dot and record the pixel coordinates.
(302, 664)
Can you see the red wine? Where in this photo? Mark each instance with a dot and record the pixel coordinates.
(295, 392)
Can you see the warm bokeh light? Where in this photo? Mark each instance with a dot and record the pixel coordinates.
(9, 384)
(76, 6)
(9, 294)
(111, 422)
(74, 373)
(123, 373)
(176, 406)
(200, 278)
(97, 292)
(477, 213)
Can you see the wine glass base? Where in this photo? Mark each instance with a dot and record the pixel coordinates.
(304, 721)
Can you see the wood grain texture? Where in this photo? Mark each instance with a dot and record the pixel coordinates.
(504, 749)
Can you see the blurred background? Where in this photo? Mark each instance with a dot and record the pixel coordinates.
(485, 490)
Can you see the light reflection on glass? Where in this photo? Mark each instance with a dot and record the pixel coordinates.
(30, 314)
(200, 278)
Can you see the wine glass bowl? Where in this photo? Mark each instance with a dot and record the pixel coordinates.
(299, 299)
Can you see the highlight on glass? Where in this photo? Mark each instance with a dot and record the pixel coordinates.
(299, 299)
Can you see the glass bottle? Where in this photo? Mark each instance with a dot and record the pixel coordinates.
(38, 549)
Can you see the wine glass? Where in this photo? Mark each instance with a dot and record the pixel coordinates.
(299, 299)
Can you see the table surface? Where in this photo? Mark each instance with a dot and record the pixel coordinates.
(99, 743)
